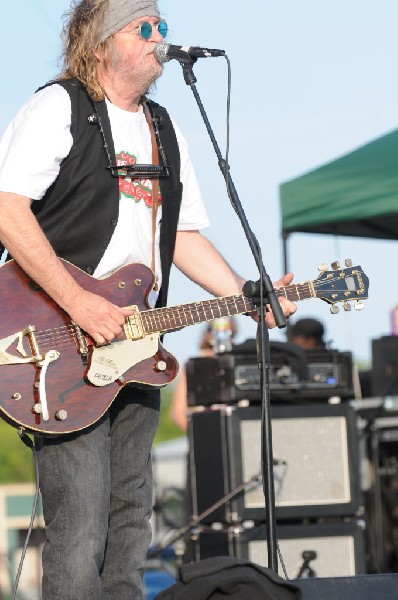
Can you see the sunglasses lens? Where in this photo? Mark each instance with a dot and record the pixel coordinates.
(146, 30)
(162, 28)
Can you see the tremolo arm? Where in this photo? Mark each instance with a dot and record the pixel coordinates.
(41, 360)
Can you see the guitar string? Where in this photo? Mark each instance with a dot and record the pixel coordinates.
(63, 335)
(55, 333)
(154, 315)
(192, 307)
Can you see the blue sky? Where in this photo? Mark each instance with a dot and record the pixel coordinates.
(311, 80)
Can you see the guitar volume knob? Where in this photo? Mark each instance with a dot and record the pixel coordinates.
(61, 415)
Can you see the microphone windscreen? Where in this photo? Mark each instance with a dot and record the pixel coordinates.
(161, 51)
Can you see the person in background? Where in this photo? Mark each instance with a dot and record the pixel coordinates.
(307, 333)
(178, 409)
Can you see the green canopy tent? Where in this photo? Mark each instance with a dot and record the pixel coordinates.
(355, 195)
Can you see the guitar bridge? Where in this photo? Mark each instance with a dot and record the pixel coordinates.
(133, 327)
(82, 343)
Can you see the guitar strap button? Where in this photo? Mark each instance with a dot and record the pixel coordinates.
(161, 365)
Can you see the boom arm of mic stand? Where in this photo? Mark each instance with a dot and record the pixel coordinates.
(269, 294)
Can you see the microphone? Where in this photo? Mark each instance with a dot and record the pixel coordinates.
(165, 52)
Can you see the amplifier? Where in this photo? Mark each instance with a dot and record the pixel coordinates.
(232, 377)
(385, 366)
(339, 548)
(315, 450)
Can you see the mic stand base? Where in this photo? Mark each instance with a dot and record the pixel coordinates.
(196, 520)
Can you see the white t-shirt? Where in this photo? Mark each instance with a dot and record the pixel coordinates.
(38, 139)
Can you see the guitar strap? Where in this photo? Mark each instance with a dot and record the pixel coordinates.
(155, 183)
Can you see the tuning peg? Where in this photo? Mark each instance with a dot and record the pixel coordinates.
(359, 305)
(334, 309)
(322, 267)
(348, 262)
(347, 306)
(335, 265)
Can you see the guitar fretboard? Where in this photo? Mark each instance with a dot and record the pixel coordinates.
(161, 320)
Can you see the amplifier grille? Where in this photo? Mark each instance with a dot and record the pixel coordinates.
(315, 451)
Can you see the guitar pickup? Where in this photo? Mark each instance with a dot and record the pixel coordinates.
(133, 327)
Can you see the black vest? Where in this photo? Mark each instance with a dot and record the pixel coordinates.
(79, 212)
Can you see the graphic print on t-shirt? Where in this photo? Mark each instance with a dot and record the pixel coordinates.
(137, 189)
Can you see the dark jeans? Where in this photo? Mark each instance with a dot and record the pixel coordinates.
(96, 487)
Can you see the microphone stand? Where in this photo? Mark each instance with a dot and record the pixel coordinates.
(261, 292)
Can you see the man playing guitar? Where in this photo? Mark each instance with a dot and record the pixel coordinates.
(80, 196)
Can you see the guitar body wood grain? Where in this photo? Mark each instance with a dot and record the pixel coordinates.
(67, 386)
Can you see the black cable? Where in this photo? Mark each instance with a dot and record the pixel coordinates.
(30, 444)
(228, 125)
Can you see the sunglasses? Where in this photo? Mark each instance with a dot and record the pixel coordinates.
(145, 29)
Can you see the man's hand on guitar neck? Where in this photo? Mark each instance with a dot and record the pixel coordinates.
(214, 274)
(288, 307)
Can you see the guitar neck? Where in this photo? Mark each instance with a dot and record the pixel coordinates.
(161, 320)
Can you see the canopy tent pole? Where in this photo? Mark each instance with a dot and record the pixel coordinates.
(285, 238)
(285, 250)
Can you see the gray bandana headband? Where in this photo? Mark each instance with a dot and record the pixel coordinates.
(122, 12)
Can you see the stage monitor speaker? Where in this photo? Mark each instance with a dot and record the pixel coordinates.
(315, 453)
(385, 366)
(360, 587)
(339, 548)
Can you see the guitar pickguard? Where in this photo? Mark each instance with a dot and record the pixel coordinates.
(110, 362)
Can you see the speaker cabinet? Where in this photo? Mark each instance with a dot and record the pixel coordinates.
(315, 451)
(339, 547)
(385, 366)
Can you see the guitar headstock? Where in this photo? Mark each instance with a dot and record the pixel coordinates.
(342, 285)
